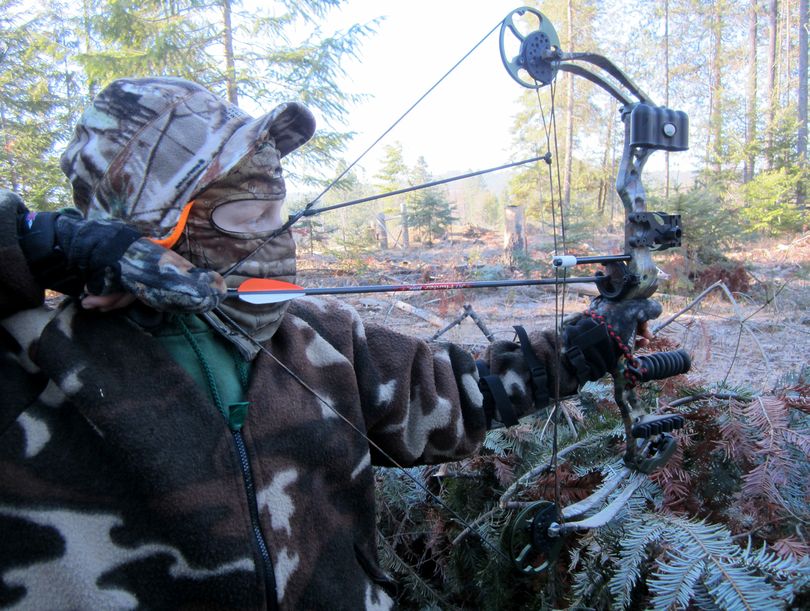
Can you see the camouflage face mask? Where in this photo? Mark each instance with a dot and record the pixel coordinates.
(247, 202)
(230, 221)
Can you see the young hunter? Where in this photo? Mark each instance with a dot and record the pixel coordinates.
(162, 446)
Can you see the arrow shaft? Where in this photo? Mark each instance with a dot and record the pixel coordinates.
(430, 286)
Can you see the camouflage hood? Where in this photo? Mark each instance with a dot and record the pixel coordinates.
(147, 146)
(168, 157)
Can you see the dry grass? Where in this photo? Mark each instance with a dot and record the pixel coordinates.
(747, 338)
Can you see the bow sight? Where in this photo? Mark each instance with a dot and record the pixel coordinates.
(535, 536)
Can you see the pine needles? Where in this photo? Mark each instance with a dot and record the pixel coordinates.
(723, 526)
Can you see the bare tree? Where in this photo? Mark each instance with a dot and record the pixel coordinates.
(230, 65)
(716, 110)
(569, 111)
(802, 135)
(773, 11)
(666, 89)
(751, 94)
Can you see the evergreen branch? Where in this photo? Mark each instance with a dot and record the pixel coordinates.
(724, 395)
(731, 583)
(735, 587)
(798, 439)
(590, 580)
(736, 439)
(703, 599)
(767, 414)
(639, 533)
(676, 580)
(546, 467)
(472, 527)
(392, 561)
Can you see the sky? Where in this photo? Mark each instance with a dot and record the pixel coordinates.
(465, 122)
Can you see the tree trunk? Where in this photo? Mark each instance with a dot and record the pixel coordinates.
(666, 90)
(8, 149)
(604, 181)
(406, 240)
(802, 135)
(751, 94)
(612, 195)
(716, 117)
(773, 10)
(540, 184)
(230, 66)
(569, 111)
(381, 231)
(786, 13)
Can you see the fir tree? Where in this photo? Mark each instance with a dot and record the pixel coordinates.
(431, 212)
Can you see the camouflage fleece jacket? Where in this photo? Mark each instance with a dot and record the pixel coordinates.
(122, 486)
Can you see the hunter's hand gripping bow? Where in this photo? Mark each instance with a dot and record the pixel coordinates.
(536, 533)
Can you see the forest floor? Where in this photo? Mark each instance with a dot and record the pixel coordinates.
(751, 341)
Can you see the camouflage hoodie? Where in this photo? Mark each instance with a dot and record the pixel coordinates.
(122, 486)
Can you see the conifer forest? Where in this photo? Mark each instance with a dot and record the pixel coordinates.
(723, 521)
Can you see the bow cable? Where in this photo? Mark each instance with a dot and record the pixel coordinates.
(560, 273)
(559, 302)
(425, 185)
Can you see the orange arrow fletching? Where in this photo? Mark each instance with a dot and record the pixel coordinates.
(263, 290)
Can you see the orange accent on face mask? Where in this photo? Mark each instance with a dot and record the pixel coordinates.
(172, 238)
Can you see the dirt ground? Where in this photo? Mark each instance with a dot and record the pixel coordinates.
(772, 339)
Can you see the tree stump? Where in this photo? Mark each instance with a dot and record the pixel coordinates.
(514, 237)
(381, 231)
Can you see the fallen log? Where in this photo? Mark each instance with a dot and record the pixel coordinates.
(419, 312)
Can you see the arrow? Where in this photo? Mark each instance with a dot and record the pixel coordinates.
(264, 291)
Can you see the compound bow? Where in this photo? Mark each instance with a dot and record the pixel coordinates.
(535, 535)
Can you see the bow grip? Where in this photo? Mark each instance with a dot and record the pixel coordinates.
(661, 365)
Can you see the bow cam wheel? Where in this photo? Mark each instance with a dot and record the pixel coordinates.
(528, 543)
(537, 49)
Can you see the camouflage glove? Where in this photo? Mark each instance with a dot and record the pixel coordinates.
(594, 340)
(517, 378)
(520, 377)
(69, 254)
